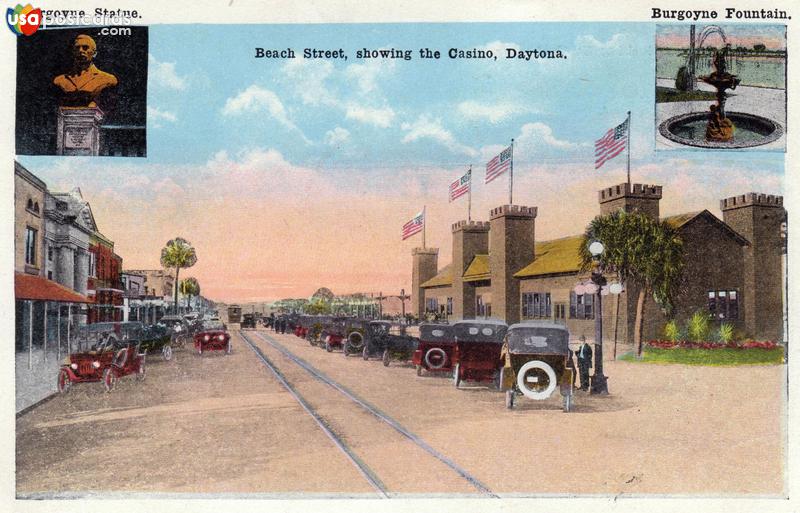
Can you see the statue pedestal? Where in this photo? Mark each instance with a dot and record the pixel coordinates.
(78, 131)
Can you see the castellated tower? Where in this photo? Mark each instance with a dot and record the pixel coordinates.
(469, 239)
(425, 262)
(757, 218)
(512, 238)
(630, 198)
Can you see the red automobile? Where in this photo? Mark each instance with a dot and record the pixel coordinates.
(477, 351)
(436, 351)
(212, 336)
(106, 362)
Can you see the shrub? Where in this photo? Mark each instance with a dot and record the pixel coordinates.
(725, 332)
(672, 332)
(698, 327)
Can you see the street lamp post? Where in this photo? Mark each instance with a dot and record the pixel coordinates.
(599, 382)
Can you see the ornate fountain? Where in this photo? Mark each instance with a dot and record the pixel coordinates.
(717, 128)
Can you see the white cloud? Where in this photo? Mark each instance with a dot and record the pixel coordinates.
(308, 80)
(426, 127)
(163, 73)
(493, 113)
(380, 117)
(534, 133)
(156, 116)
(499, 48)
(367, 75)
(615, 42)
(337, 136)
(255, 99)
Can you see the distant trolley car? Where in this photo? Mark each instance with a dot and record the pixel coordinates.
(234, 314)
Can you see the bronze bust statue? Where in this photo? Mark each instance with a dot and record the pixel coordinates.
(84, 83)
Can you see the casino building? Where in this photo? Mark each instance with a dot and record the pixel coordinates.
(734, 269)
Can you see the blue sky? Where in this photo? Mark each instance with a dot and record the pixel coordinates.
(338, 154)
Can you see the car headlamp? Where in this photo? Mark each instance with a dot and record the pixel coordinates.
(74, 366)
(96, 364)
(207, 338)
(222, 337)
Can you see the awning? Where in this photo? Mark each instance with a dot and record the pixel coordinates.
(36, 288)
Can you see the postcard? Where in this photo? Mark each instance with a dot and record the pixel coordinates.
(497, 259)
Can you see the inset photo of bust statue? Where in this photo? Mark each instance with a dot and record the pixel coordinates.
(81, 92)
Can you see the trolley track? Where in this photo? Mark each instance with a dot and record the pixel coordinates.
(363, 410)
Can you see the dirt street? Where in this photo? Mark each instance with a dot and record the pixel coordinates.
(224, 424)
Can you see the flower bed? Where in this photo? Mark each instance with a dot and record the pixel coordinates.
(685, 344)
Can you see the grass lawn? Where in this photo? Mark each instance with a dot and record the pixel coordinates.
(667, 95)
(709, 356)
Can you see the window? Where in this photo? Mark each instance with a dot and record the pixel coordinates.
(482, 308)
(92, 264)
(431, 305)
(581, 306)
(449, 310)
(30, 246)
(536, 305)
(723, 304)
(49, 253)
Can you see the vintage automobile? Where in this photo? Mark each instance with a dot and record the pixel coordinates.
(477, 351)
(355, 336)
(109, 360)
(316, 324)
(248, 321)
(234, 314)
(389, 341)
(213, 336)
(180, 329)
(536, 360)
(436, 350)
(301, 325)
(155, 338)
(334, 332)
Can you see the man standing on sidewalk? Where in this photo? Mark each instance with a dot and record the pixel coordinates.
(584, 362)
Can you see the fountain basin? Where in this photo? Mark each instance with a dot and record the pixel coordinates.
(751, 130)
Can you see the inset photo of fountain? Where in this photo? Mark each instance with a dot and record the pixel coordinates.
(720, 87)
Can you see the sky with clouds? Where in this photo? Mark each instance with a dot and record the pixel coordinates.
(291, 174)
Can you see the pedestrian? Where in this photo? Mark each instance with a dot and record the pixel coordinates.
(571, 366)
(584, 362)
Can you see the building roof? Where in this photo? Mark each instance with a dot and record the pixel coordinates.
(681, 220)
(554, 257)
(36, 288)
(478, 269)
(442, 279)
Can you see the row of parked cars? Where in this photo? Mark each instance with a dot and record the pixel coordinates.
(109, 351)
(529, 359)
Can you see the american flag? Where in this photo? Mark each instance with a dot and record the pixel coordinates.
(611, 144)
(498, 165)
(461, 186)
(414, 226)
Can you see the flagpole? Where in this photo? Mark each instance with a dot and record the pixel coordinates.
(469, 197)
(424, 223)
(511, 177)
(629, 149)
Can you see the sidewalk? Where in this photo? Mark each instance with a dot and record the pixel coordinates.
(38, 382)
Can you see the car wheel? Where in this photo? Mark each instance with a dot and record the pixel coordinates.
(385, 357)
(456, 376)
(365, 353)
(419, 370)
(328, 347)
(142, 372)
(536, 380)
(345, 348)
(64, 383)
(510, 399)
(228, 348)
(200, 349)
(109, 379)
(166, 352)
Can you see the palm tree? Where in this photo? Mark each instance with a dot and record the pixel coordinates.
(178, 254)
(644, 253)
(189, 288)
